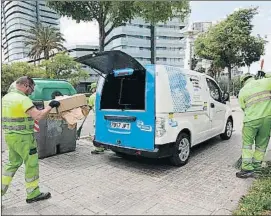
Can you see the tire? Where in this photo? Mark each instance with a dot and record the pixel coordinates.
(181, 150)
(228, 130)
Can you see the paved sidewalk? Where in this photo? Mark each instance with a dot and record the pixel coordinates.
(87, 184)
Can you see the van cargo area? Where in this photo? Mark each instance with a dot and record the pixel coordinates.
(124, 93)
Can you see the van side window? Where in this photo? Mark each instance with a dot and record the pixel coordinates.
(214, 90)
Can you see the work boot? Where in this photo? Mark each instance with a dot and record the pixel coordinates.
(42, 196)
(97, 151)
(245, 174)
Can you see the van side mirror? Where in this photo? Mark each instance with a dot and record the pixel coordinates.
(226, 96)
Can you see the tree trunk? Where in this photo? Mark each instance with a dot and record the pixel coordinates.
(46, 54)
(101, 37)
(229, 80)
(153, 47)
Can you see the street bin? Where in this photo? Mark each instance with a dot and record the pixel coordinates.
(53, 135)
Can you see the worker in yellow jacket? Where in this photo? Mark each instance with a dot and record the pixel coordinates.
(18, 115)
(91, 103)
(255, 101)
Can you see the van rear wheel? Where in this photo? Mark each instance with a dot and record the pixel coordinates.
(181, 150)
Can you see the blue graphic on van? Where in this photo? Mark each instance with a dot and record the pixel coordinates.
(172, 123)
(180, 95)
(141, 126)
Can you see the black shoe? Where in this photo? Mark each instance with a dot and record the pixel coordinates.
(245, 174)
(42, 196)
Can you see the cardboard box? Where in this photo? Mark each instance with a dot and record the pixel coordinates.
(68, 102)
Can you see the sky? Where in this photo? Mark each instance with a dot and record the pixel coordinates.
(87, 33)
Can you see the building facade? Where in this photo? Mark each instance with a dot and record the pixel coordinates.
(201, 27)
(134, 39)
(195, 29)
(17, 18)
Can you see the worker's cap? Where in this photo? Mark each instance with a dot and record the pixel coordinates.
(245, 77)
(93, 85)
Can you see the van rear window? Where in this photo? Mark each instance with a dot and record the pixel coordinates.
(125, 93)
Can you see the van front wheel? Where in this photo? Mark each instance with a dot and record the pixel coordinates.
(181, 150)
(228, 130)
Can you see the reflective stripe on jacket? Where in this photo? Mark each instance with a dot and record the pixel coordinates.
(255, 99)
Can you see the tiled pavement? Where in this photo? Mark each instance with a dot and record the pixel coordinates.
(87, 184)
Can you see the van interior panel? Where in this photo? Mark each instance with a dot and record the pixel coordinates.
(124, 93)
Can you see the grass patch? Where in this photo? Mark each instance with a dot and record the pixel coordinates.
(258, 199)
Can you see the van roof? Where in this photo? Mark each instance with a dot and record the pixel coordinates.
(179, 68)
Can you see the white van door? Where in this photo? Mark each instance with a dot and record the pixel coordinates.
(217, 107)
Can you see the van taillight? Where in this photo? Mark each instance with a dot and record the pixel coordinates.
(160, 127)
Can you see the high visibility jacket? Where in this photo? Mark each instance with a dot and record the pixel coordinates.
(91, 101)
(255, 99)
(14, 117)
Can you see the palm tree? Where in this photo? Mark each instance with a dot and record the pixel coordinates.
(44, 40)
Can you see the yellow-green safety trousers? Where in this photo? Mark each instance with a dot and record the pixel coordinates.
(22, 149)
(257, 131)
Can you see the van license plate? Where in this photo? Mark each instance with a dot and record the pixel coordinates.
(121, 125)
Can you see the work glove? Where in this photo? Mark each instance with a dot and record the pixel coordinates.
(54, 103)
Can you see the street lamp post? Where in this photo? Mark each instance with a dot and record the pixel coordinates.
(153, 44)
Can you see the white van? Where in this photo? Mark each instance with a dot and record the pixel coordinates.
(156, 110)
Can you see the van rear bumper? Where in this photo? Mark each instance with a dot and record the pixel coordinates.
(160, 151)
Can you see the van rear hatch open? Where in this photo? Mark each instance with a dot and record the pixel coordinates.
(125, 104)
(108, 61)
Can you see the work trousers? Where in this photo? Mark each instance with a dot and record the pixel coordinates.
(258, 132)
(22, 149)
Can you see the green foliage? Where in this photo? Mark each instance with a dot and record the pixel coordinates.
(214, 71)
(236, 84)
(162, 11)
(11, 72)
(253, 50)
(104, 12)
(62, 66)
(258, 199)
(227, 43)
(44, 40)
(223, 83)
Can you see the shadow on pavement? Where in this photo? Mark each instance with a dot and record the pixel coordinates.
(157, 165)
